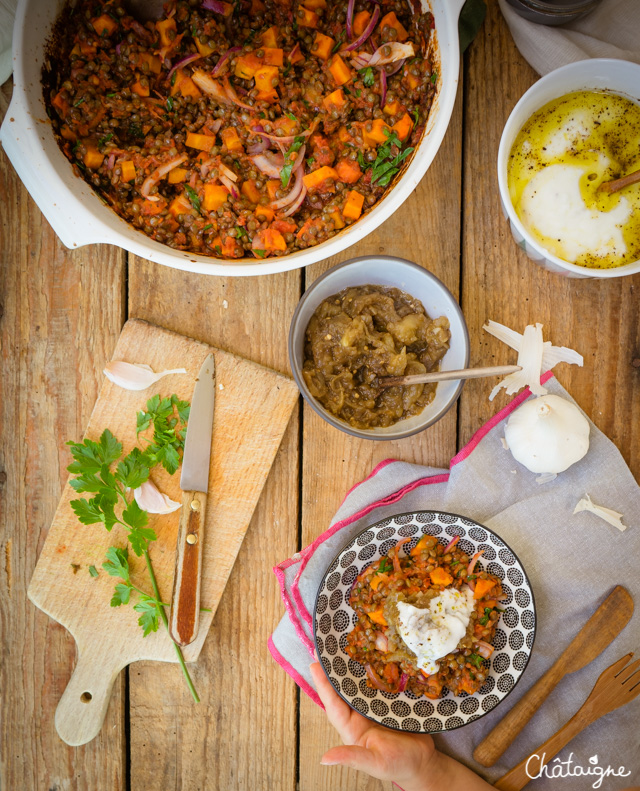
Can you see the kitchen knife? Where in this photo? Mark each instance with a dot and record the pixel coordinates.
(194, 481)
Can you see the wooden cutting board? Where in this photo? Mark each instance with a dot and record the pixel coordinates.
(253, 406)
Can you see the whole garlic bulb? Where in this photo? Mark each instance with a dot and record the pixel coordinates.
(547, 434)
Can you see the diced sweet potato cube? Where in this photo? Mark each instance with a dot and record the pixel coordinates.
(247, 66)
(335, 99)
(295, 56)
(288, 125)
(338, 222)
(164, 28)
(340, 72)
(228, 9)
(392, 108)
(314, 5)
(231, 138)
(204, 49)
(179, 205)
(270, 37)
(269, 240)
(273, 56)
(201, 142)
(440, 577)
(214, 196)
(273, 185)
(391, 20)
(377, 616)
(411, 81)
(403, 127)
(352, 208)
(322, 46)
(306, 18)
(344, 135)
(360, 22)
(376, 134)
(313, 180)
(250, 191)
(104, 25)
(266, 78)
(265, 212)
(128, 170)
(153, 64)
(139, 88)
(270, 96)
(189, 88)
(177, 175)
(348, 170)
(93, 158)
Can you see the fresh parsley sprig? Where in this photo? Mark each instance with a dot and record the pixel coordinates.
(285, 173)
(168, 431)
(386, 166)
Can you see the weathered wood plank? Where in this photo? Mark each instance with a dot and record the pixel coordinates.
(425, 230)
(61, 313)
(242, 734)
(599, 318)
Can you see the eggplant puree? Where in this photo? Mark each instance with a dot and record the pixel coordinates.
(366, 332)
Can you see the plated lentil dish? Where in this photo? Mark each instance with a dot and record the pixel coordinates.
(253, 128)
(425, 620)
(364, 333)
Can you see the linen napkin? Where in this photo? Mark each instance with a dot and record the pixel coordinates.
(611, 31)
(573, 563)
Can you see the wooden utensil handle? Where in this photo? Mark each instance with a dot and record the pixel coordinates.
(527, 770)
(83, 705)
(496, 742)
(185, 601)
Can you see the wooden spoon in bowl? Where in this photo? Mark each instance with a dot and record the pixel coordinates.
(621, 183)
(443, 376)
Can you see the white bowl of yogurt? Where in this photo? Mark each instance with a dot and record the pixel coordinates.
(554, 199)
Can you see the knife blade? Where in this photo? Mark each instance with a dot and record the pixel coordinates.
(184, 615)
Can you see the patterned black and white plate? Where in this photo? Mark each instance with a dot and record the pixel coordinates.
(334, 619)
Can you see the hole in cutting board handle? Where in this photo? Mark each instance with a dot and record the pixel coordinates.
(86, 697)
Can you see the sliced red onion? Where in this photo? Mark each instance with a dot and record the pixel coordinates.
(473, 562)
(376, 681)
(361, 60)
(397, 67)
(258, 148)
(294, 51)
(404, 678)
(230, 186)
(297, 203)
(228, 172)
(214, 5)
(299, 159)
(484, 649)
(383, 87)
(215, 126)
(182, 62)
(230, 91)
(350, 8)
(472, 584)
(111, 162)
(382, 644)
(451, 544)
(157, 174)
(397, 51)
(118, 47)
(223, 60)
(266, 166)
(291, 196)
(366, 32)
(206, 83)
(205, 167)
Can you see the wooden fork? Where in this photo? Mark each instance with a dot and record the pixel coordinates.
(617, 685)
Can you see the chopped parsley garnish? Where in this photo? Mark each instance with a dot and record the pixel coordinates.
(385, 566)
(434, 77)
(338, 43)
(385, 167)
(285, 173)
(193, 197)
(260, 253)
(93, 571)
(79, 102)
(207, 226)
(359, 93)
(262, 115)
(241, 232)
(105, 139)
(476, 659)
(361, 160)
(174, 77)
(416, 115)
(347, 91)
(310, 160)
(170, 103)
(367, 76)
(218, 249)
(291, 116)
(111, 95)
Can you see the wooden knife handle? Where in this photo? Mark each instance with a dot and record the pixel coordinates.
(529, 768)
(185, 601)
(497, 741)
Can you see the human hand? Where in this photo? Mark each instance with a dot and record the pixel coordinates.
(410, 760)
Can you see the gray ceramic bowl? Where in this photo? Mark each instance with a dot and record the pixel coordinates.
(555, 13)
(385, 270)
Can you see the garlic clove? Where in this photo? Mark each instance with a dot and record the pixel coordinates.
(609, 515)
(135, 376)
(547, 434)
(152, 500)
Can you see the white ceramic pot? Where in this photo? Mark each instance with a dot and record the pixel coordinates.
(618, 76)
(78, 215)
(385, 270)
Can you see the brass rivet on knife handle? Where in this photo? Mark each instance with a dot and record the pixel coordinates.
(185, 601)
(599, 631)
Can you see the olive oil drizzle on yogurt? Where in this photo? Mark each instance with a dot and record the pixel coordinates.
(559, 159)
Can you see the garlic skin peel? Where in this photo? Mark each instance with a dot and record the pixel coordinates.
(135, 376)
(547, 434)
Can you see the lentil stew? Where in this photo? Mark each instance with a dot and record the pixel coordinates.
(254, 128)
(417, 578)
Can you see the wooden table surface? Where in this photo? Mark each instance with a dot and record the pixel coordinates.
(60, 315)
